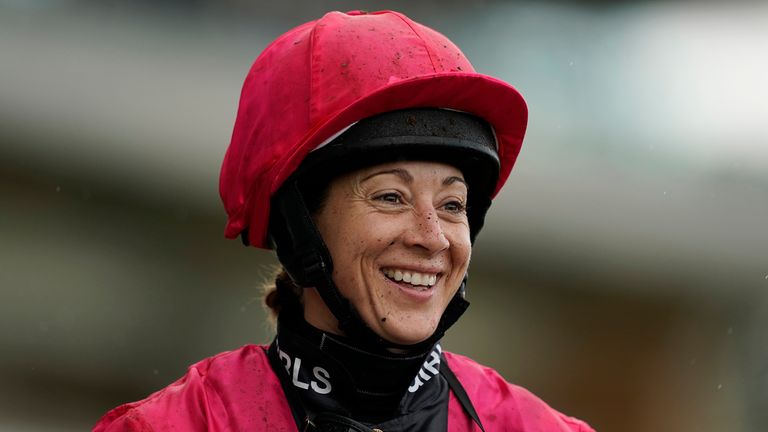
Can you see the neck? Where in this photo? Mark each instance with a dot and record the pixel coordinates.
(332, 373)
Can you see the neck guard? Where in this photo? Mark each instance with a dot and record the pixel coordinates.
(329, 374)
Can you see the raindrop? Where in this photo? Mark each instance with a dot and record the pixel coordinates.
(719, 386)
(571, 63)
(730, 330)
(58, 188)
(155, 372)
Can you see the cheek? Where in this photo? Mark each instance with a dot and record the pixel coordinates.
(466, 253)
(354, 262)
(461, 248)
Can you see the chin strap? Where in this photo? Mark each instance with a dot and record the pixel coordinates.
(334, 422)
(306, 258)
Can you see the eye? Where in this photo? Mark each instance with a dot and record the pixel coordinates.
(456, 206)
(389, 198)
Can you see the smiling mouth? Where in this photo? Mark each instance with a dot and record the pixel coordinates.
(419, 281)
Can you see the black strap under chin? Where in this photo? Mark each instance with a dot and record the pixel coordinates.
(330, 422)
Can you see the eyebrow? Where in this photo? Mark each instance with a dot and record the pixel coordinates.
(453, 179)
(408, 178)
(403, 174)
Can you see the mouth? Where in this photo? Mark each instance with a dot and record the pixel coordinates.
(411, 279)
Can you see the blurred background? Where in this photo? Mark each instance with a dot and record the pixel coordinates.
(621, 276)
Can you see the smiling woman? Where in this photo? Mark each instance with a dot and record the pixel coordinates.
(366, 152)
(399, 238)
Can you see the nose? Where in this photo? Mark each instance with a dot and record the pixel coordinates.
(426, 232)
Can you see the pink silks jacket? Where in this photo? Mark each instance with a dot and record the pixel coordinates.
(238, 391)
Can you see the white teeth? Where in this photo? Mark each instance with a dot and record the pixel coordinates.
(413, 278)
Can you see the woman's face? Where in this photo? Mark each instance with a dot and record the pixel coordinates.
(399, 238)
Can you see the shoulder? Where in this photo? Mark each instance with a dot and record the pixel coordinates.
(214, 392)
(505, 405)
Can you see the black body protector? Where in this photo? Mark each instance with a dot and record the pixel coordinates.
(362, 357)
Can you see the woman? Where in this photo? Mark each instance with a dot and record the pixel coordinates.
(366, 151)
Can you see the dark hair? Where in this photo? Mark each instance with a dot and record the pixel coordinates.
(282, 295)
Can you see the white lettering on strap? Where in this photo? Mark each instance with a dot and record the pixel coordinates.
(430, 368)
(296, 369)
(321, 383)
(322, 376)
